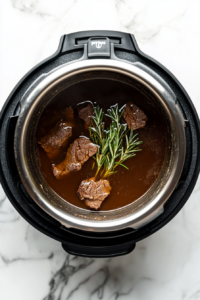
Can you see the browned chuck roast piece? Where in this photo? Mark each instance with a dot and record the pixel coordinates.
(94, 192)
(134, 116)
(56, 139)
(78, 153)
(85, 113)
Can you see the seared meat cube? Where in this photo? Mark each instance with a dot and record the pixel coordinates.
(78, 153)
(56, 139)
(94, 192)
(85, 114)
(134, 116)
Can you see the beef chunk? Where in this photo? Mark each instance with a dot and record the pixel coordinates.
(78, 153)
(94, 192)
(134, 116)
(85, 114)
(69, 113)
(56, 139)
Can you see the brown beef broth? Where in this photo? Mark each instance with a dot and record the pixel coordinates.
(144, 168)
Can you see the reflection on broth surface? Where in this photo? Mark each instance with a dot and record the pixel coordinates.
(144, 168)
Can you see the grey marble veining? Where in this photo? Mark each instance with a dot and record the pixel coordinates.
(167, 264)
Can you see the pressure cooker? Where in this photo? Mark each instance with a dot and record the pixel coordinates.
(85, 56)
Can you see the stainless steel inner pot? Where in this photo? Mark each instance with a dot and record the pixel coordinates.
(38, 96)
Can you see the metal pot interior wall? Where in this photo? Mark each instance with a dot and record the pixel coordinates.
(57, 201)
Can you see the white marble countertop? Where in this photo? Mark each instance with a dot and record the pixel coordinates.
(167, 264)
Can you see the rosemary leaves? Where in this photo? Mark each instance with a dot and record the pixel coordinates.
(115, 144)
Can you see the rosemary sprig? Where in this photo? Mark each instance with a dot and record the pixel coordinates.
(99, 136)
(116, 147)
(131, 147)
(117, 131)
(111, 152)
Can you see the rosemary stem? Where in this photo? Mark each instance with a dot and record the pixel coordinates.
(111, 152)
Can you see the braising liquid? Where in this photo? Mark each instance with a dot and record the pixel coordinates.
(144, 168)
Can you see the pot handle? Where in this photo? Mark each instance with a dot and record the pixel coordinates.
(99, 251)
(98, 43)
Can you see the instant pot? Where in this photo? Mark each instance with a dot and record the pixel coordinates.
(85, 56)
